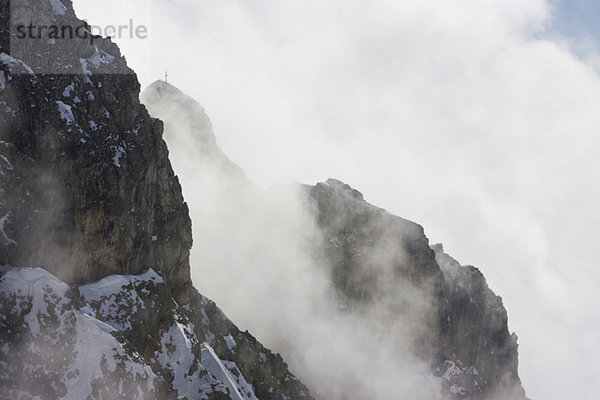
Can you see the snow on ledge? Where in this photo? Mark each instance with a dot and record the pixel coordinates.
(217, 368)
(114, 283)
(30, 282)
(3, 221)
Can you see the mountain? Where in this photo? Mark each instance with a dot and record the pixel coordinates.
(383, 265)
(95, 287)
(415, 300)
(180, 112)
(96, 292)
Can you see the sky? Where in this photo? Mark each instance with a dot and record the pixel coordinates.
(576, 21)
(476, 119)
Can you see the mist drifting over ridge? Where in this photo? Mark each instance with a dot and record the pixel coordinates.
(252, 256)
(363, 326)
(466, 117)
(508, 166)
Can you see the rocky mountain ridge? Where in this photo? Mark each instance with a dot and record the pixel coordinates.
(97, 300)
(374, 254)
(382, 267)
(95, 236)
(86, 179)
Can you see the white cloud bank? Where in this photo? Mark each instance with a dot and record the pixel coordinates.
(457, 114)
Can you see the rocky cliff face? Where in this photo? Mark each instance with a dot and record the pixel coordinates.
(382, 267)
(480, 353)
(96, 298)
(383, 262)
(87, 187)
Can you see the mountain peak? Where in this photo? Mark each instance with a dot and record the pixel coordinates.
(160, 86)
(188, 129)
(344, 189)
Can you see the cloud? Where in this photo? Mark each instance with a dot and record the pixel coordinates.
(464, 116)
(259, 253)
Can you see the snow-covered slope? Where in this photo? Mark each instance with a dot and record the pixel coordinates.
(62, 342)
(59, 349)
(228, 373)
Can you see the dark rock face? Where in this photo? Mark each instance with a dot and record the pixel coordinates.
(380, 263)
(87, 187)
(366, 241)
(379, 259)
(481, 354)
(87, 192)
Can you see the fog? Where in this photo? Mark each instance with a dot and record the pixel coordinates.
(468, 117)
(258, 254)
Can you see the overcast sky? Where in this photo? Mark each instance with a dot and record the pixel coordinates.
(477, 119)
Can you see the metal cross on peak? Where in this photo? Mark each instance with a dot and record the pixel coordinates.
(166, 76)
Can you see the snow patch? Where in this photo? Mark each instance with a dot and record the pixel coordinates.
(95, 349)
(216, 367)
(68, 90)
(176, 355)
(114, 284)
(6, 165)
(231, 345)
(10, 61)
(452, 370)
(119, 152)
(33, 283)
(66, 113)
(58, 7)
(97, 59)
(456, 389)
(6, 219)
(118, 297)
(94, 343)
(243, 387)
(205, 319)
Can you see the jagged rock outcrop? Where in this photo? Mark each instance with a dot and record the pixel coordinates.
(88, 194)
(95, 287)
(481, 355)
(379, 260)
(87, 187)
